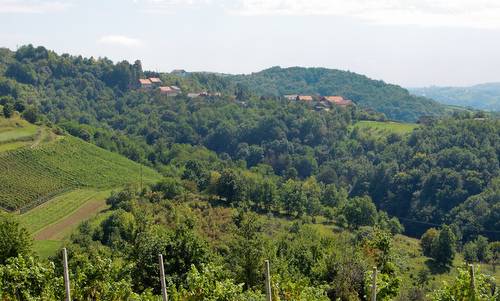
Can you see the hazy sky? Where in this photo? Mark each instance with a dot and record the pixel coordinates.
(407, 42)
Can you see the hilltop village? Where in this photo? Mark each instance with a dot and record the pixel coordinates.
(319, 103)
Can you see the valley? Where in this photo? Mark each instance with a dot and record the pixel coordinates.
(324, 173)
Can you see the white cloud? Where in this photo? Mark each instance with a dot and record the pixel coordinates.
(466, 13)
(450, 13)
(169, 6)
(120, 40)
(32, 6)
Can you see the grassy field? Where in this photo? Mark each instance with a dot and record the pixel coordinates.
(380, 128)
(411, 261)
(56, 219)
(16, 133)
(59, 208)
(35, 173)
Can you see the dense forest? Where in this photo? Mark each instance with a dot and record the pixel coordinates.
(255, 152)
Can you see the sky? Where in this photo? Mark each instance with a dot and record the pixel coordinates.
(407, 42)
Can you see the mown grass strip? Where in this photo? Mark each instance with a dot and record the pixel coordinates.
(59, 208)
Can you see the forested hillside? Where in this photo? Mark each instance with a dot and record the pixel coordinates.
(395, 102)
(424, 176)
(482, 97)
(323, 194)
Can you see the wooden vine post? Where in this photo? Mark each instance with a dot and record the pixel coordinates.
(162, 278)
(66, 275)
(268, 282)
(472, 282)
(374, 284)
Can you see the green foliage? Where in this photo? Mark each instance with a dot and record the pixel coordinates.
(440, 245)
(247, 250)
(360, 211)
(28, 279)
(461, 288)
(182, 248)
(8, 110)
(97, 278)
(494, 249)
(14, 239)
(427, 241)
(169, 187)
(231, 186)
(209, 283)
(30, 114)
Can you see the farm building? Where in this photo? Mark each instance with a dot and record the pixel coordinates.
(291, 97)
(169, 91)
(337, 100)
(145, 83)
(305, 98)
(155, 81)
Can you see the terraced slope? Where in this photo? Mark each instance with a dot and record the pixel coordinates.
(33, 174)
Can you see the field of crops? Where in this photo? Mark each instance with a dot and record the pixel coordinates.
(32, 175)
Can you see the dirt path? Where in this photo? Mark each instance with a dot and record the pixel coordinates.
(40, 135)
(57, 230)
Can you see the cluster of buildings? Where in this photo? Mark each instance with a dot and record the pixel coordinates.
(156, 83)
(318, 102)
(153, 83)
(321, 102)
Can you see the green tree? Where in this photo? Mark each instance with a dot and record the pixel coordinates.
(247, 249)
(15, 240)
(483, 252)
(30, 114)
(495, 253)
(427, 240)
(360, 211)
(23, 73)
(231, 186)
(470, 252)
(181, 247)
(8, 110)
(196, 172)
(293, 197)
(242, 92)
(443, 246)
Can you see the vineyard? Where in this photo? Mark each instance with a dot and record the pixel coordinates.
(31, 175)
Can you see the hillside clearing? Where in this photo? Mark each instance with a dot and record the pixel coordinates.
(386, 127)
(16, 133)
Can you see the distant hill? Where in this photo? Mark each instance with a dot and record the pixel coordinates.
(392, 100)
(39, 167)
(482, 97)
